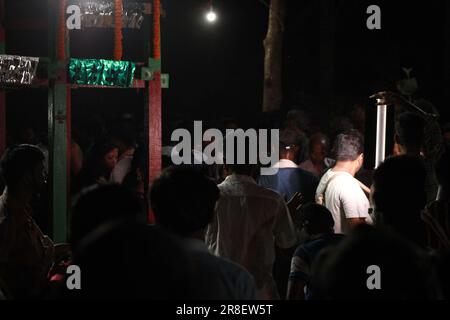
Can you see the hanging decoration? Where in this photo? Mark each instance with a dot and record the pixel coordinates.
(17, 69)
(101, 14)
(101, 72)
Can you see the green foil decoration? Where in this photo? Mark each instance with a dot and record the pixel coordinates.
(101, 72)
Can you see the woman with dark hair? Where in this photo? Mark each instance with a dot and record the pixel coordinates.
(100, 162)
(135, 179)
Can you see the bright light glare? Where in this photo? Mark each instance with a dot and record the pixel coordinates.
(211, 16)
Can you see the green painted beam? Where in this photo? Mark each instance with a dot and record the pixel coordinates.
(59, 127)
(60, 183)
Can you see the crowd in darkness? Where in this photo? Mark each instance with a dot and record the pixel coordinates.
(223, 232)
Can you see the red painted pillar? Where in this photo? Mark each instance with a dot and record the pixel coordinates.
(155, 101)
(155, 130)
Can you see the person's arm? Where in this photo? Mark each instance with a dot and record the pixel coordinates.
(354, 203)
(283, 230)
(296, 289)
(298, 276)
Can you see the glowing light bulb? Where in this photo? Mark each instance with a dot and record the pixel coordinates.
(211, 16)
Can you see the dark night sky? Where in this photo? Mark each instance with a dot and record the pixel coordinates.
(217, 70)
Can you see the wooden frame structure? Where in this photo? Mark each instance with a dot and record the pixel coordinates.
(60, 104)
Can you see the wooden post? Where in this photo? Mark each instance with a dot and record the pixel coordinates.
(59, 120)
(155, 132)
(154, 100)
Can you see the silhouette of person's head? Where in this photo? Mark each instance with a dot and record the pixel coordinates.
(183, 200)
(398, 194)
(292, 142)
(318, 148)
(100, 204)
(409, 132)
(124, 137)
(315, 219)
(22, 169)
(129, 260)
(102, 158)
(373, 264)
(238, 159)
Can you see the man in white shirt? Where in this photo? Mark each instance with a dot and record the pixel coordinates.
(339, 191)
(248, 220)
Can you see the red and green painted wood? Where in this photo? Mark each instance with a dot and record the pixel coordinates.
(59, 109)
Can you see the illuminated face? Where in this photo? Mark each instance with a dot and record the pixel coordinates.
(110, 159)
(318, 152)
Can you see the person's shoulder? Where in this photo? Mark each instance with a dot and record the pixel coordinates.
(308, 175)
(232, 269)
(342, 179)
(312, 246)
(266, 193)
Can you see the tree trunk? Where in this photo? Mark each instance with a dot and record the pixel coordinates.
(273, 60)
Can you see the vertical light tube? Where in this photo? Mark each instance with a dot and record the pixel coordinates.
(380, 151)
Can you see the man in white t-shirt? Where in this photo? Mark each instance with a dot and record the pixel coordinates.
(339, 191)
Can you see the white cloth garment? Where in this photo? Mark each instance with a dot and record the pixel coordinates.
(123, 167)
(218, 278)
(248, 220)
(344, 198)
(285, 163)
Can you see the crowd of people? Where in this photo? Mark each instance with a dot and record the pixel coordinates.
(222, 232)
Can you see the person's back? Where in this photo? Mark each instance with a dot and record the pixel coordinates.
(399, 197)
(288, 181)
(130, 260)
(373, 264)
(344, 197)
(304, 257)
(218, 278)
(188, 217)
(26, 254)
(289, 178)
(248, 218)
(437, 215)
(316, 226)
(411, 136)
(98, 205)
(338, 189)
